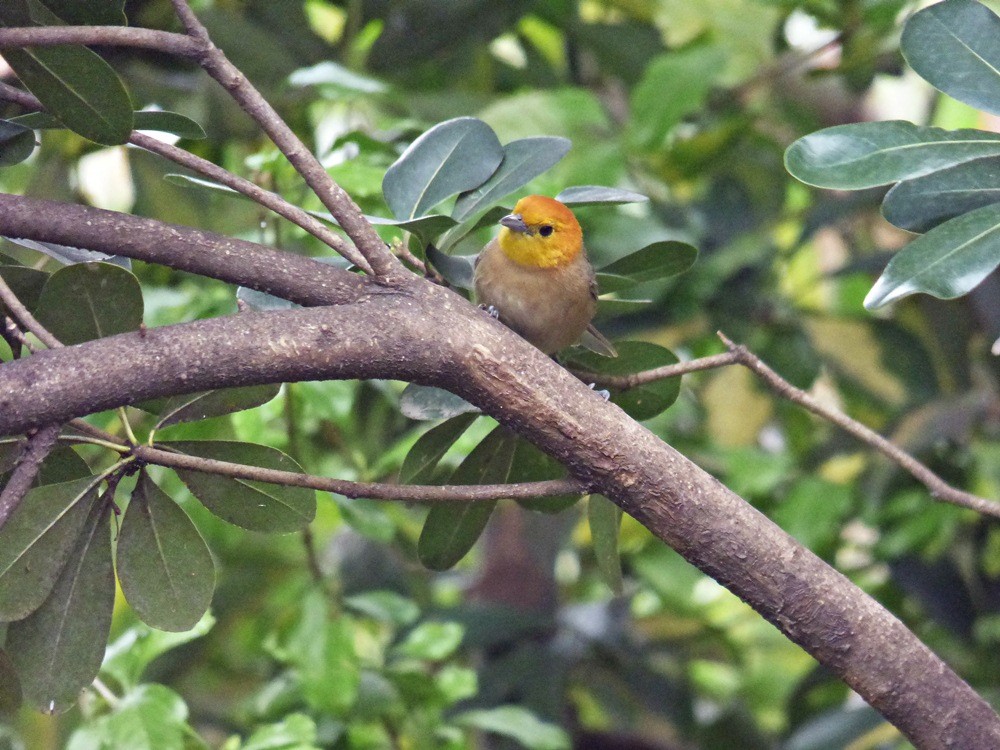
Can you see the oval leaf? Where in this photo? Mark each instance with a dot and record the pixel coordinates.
(458, 270)
(16, 143)
(533, 465)
(645, 401)
(164, 566)
(523, 161)
(257, 506)
(26, 283)
(10, 687)
(193, 407)
(88, 12)
(79, 88)
(37, 540)
(426, 403)
(592, 195)
(58, 649)
(451, 529)
(450, 158)
(955, 46)
(605, 521)
(947, 262)
(658, 260)
(921, 204)
(68, 255)
(87, 301)
(419, 465)
(868, 154)
(519, 724)
(168, 122)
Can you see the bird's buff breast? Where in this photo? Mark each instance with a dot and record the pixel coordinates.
(550, 307)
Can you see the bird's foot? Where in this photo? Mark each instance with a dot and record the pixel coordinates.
(603, 393)
(491, 311)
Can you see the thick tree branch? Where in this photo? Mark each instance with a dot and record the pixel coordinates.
(384, 264)
(424, 333)
(282, 274)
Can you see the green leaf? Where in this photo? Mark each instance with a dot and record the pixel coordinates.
(38, 121)
(533, 465)
(674, 85)
(322, 649)
(26, 283)
(193, 407)
(421, 461)
(78, 87)
(658, 260)
(58, 648)
(605, 522)
(451, 529)
(458, 270)
(257, 506)
(523, 160)
(947, 262)
(869, 154)
(87, 301)
(10, 687)
(956, 47)
(425, 227)
(384, 606)
(129, 655)
(16, 143)
(37, 540)
(88, 12)
(164, 566)
(329, 73)
(594, 195)
(168, 122)
(63, 465)
(432, 641)
(68, 255)
(367, 517)
(293, 732)
(452, 157)
(10, 452)
(517, 723)
(920, 204)
(425, 403)
(645, 401)
(149, 717)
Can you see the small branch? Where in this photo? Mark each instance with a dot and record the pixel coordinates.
(339, 203)
(111, 36)
(635, 379)
(36, 450)
(939, 488)
(369, 490)
(24, 317)
(13, 94)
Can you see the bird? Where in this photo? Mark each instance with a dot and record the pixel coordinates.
(536, 278)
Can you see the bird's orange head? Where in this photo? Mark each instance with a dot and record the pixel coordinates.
(540, 232)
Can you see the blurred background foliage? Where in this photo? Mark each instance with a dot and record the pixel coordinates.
(692, 104)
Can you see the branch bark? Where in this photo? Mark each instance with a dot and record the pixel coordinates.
(424, 333)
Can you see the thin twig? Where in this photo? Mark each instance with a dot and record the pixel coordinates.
(939, 488)
(112, 36)
(635, 379)
(369, 490)
(38, 447)
(213, 61)
(24, 318)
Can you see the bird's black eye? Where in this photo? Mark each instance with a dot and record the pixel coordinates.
(546, 230)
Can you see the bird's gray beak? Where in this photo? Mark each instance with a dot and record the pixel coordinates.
(514, 222)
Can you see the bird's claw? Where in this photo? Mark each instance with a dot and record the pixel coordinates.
(603, 393)
(491, 311)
